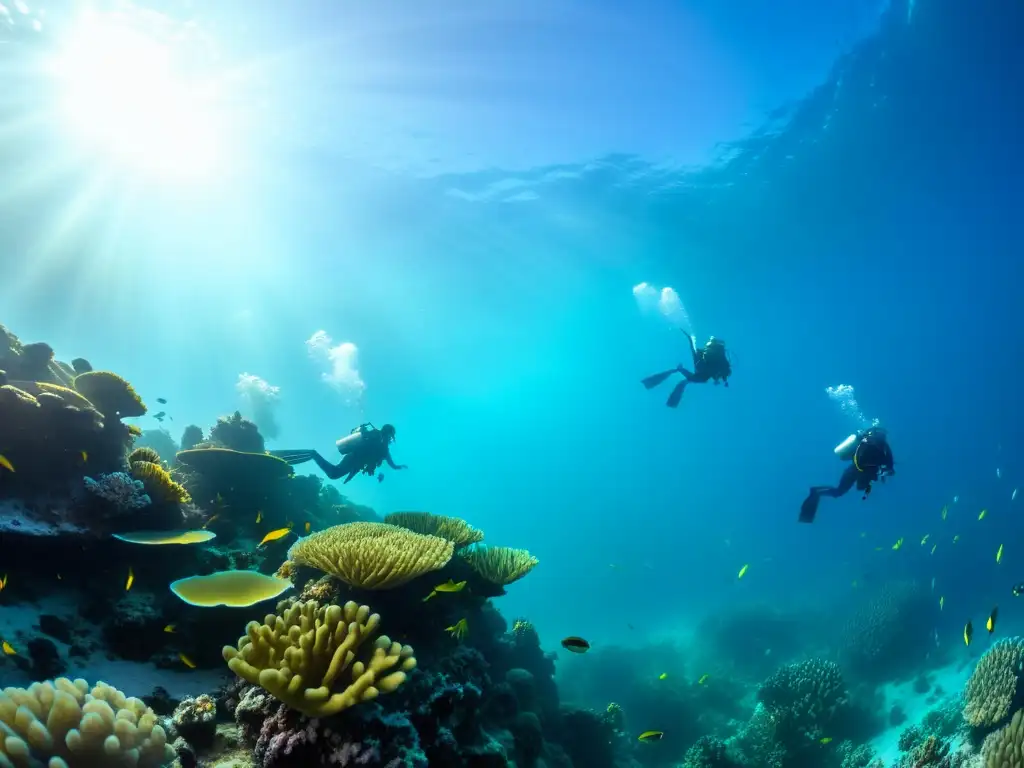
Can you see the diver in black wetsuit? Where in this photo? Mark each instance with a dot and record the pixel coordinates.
(711, 362)
(870, 459)
(364, 450)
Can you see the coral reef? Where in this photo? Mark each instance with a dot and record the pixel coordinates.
(237, 434)
(993, 690)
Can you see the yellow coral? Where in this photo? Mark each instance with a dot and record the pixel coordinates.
(372, 555)
(64, 724)
(68, 396)
(134, 430)
(110, 394)
(456, 530)
(144, 453)
(159, 484)
(300, 657)
(500, 565)
(992, 687)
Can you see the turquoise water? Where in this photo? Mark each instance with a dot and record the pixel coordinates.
(485, 225)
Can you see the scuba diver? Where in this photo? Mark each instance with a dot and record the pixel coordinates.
(364, 450)
(870, 459)
(711, 362)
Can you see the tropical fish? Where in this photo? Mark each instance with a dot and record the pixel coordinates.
(3, 582)
(999, 554)
(650, 736)
(924, 540)
(259, 516)
(307, 526)
(5, 463)
(161, 400)
(159, 416)
(956, 538)
(575, 644)
(878, 549)
(999, 474)
(663, 676)
(211, 519)
(898, 544)
(131, 579)
(982, 515)
(934, 547)
(703, 679)
(956, 499)
(968, 633)
(1018, 590)
(945, 511)
(171, 629)
(187, 661)
(825, 740)
(743, 570)
(275, 535)
(990, 622)
(459, 629)
(8, 649)
(942, 601)
(85, 456)
(380, 477)
(448, 586)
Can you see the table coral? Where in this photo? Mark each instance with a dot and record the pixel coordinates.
(499, 565)
(110, 394)
(454, 529)
(301, 655)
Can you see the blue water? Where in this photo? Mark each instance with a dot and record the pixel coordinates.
(469, 197)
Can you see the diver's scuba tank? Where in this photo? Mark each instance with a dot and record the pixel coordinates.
(350, 442)
(846, 449)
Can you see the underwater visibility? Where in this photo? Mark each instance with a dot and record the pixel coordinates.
(511, 385)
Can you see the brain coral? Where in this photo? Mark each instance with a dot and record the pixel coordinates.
(67, 725)
(993, 688)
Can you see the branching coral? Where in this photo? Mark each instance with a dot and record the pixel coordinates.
(120, 490)
(454, 529)
(499, 565)
(158, 482)
(301, 655)
(74, 727)
(110, 394)
(803, 698)
(371, 555)
(993, 687)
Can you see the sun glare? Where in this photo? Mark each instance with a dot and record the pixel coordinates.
(120, 94)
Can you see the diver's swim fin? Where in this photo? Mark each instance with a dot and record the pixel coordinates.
(676, 394)
(295, 456)
(652, 381)
(809, 509)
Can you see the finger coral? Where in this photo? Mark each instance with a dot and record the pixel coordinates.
(993, 688)
(71, 726)
(159, 484)
(300, 657)
(110, 394)
(372, 555)
(499, 565)
(456, 530)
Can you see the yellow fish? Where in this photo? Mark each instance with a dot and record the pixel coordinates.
(703, 679)
(307, 526)
(934, 547)
(170, 629)
(968, 633)
(459, 629)
(259, 516)
(743, 570)
(663, 676)
(650, 736)
(3, 582)
(5, 463)
(999, 554)
(448, 586)
(825, 740)
(211, 519)
(925, 539)
(8, 649)
(942, 601)
(187, 661)
(275, 535)
(878, 549)
(131, 579)
(982, 515)
(945, 511)
(85, 456)
(898, 544)
(956, 538)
